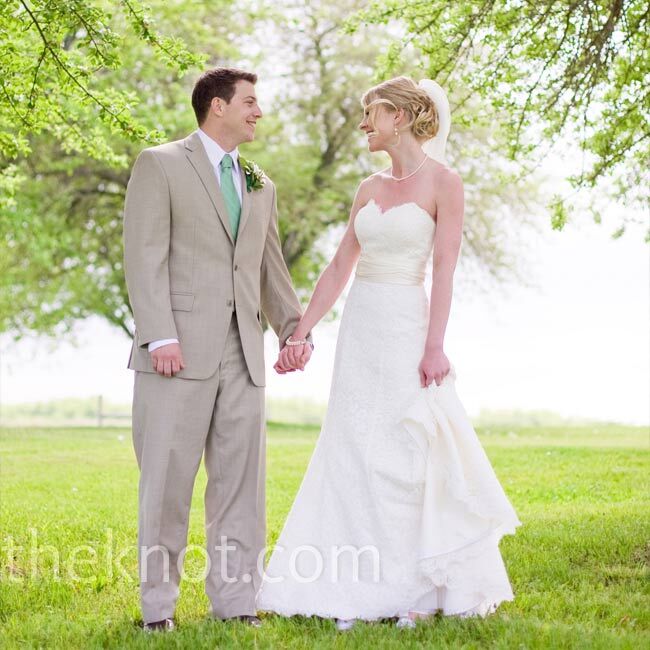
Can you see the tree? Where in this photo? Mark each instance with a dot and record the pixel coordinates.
(307, 142)
(311, 145)
(61, 243)
(61, 233)
(51, 55)
(572, 68)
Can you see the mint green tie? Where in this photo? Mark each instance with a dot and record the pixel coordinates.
(230, 194)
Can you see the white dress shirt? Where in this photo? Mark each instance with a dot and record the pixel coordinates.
(215, 156)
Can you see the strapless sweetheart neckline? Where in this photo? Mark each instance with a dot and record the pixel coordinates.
(395, 207)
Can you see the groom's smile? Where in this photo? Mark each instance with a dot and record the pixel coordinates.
(244, 110)
(234, 121)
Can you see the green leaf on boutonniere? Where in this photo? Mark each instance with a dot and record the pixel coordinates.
(255, 177)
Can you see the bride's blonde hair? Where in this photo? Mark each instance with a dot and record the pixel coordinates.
(404, 93)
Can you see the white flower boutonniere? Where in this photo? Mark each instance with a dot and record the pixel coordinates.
(255, 177)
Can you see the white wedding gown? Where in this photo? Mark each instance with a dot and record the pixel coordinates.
(396, 468)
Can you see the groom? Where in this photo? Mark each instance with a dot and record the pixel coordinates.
(202, 259)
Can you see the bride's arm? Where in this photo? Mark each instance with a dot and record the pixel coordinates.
(448, 238)
(336, 274)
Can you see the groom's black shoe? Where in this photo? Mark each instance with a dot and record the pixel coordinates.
(253, 621)
(166, 625)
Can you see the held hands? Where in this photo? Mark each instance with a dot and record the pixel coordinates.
(167, 360)
(434, 366)
(293, 357)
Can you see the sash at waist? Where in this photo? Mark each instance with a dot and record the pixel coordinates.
(389, 272)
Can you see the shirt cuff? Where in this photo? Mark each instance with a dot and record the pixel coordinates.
(158, 344)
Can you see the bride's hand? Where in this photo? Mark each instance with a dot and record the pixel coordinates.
(297, 355)
(434, 367)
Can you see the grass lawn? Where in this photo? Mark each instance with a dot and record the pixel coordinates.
(579, 565)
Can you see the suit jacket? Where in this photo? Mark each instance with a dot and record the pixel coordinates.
(184, 273)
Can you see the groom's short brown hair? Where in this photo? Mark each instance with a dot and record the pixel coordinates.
(219, 82)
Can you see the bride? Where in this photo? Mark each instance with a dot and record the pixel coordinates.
(399, 513)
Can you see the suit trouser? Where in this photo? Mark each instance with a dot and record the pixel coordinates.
(174, 422)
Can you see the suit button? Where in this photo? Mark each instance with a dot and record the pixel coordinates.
(229, 303)
(236, 266)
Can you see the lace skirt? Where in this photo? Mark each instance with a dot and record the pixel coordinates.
(399, 509)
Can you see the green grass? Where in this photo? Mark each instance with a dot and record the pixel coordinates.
(579, 565)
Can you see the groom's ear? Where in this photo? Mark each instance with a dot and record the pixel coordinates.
(216, 105)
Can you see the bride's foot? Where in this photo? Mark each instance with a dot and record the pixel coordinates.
(343, 624)
(405, 622)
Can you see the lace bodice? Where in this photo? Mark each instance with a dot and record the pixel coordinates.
(395, 244)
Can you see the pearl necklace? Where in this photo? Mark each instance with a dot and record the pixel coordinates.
(413, 173)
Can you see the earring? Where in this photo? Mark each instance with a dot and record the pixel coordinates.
(398, 136)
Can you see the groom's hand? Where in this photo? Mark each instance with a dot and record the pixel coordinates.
(296, 356)
(282, 366)
(168, 359)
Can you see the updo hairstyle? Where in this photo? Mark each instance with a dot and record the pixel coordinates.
(404, 93)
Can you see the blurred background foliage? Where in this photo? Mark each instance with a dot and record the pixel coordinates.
(84, 86)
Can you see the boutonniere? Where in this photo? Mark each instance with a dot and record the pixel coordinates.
(255, 177)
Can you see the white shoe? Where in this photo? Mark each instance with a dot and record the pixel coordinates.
(405, 622)
(343, 625)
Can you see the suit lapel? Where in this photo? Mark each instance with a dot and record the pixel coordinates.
(246, 203)
(198, 158)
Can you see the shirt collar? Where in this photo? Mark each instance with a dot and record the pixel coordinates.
(216, 153)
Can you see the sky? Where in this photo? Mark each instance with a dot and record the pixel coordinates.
(577, 344)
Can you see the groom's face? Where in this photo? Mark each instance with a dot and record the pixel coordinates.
(241, 114)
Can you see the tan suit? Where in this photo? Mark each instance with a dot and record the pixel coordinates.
(188, 279)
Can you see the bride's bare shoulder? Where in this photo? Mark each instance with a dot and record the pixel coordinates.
(443, 172)
(444, 178)
(376, 178)
(367, 189)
